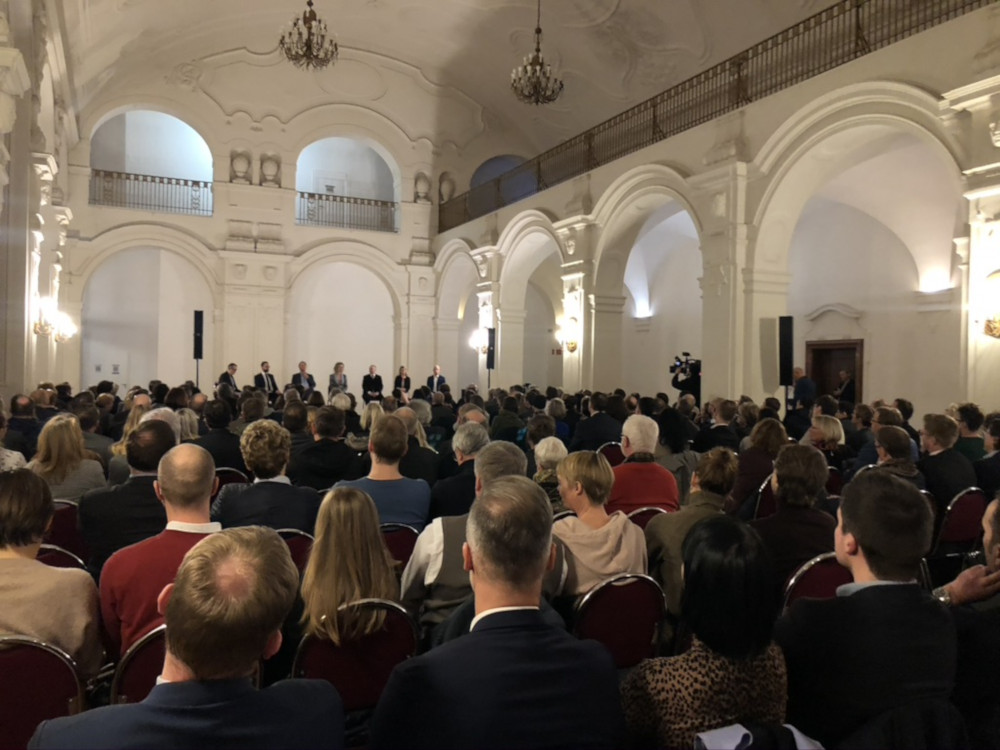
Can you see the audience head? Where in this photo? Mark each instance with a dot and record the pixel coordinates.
(585, 475)
(499, 459)
(147, 444)
(894, 442)
(371, 414)
(940, 432)
(673, 430)
(225, 609)
(25, 508)
(728, 600)
(887, 522)
(886, 416)
(549, 452)
(185, 478)
(189, 423)
(217, 414)
(800, 472)
(716, 471)
(905, 408)
(88, 416)
(863, 414)
(539, 427)
(22, 406)
(726, 411)
(556, 408)
(60, 448)
(266, 447)
(176, 398)
(827, 405)
(295, 417)
(640, 434)
(509, 534)
(598, 402)
(970, 417)
(470, 438)
(163, 414)
(769, 435)
(341, 401)
(389, 438)
(329, 423)
(826, 432)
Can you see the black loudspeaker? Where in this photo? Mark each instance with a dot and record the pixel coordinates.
(199, 318)
(785, 353)
(491, 348)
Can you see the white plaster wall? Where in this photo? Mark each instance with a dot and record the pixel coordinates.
(339, 312)
(541, 366)
(347, 166)
(842, 256)
(182, 291)
(468, 358)
(145, 142)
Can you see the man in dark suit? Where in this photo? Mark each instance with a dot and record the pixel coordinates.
(514, 680)
(271, 500)
(845, 390)
(224, 614)
(435, 381)
(264, 381)
(882, 642)
(598, 429)
(720, 434)
(219, 441)
(453, 496)
(117, 516)
(328, 460)
(946, 471)
(371, 385)
(304, 379)
(229, 377)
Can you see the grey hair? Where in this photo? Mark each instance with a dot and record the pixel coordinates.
(500, 459)
(642, 432)
(189, 424)
(341, 401)
(549, 452)
(470, 438)
(422, 409)
(164, 414)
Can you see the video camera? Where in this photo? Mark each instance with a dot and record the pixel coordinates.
(686, 366)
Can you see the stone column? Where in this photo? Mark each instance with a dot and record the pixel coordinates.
(605, 313)
(448, 348)
(510, 347)
(574, 322)
(422, 348)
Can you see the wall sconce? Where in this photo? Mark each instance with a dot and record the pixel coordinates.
(65, 328)
(992, 325)
(480, 340)
(569, 334)
(53, 321)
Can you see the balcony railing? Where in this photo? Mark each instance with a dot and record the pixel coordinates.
(320, 209)
(150, 193)
(832, 37)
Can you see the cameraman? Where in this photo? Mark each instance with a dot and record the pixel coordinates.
(687, 376)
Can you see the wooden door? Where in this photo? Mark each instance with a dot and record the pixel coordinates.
(825, 360)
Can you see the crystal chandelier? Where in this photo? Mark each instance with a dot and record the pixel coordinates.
(306, 43)
(533, 82)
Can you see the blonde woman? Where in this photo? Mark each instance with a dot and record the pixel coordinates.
(189, 424)
(370, 416)
(66, 466)
(134, 417)
(349, 561)
(827, 434)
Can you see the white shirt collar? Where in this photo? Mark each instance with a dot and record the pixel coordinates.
(487, 613)
(194, 528)
(280, 478)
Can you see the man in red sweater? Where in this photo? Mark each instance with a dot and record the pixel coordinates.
(640, 482)
(133, 577)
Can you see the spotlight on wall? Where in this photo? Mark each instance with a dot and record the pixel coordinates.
(479, 340)
(50, 320)
(569, 334)
(992, 325)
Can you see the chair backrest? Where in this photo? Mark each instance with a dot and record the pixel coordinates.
(227, 475)
(138, 669)
(962, 524)
(624, 614)
(299, 544)
(562, 514)
(834, 480)
(360, 669)
(817, 579)
(642, 516)
(400, 539)
(65, 530)
(612, 452)
(767, 503)
(37, 682)
(57, 557)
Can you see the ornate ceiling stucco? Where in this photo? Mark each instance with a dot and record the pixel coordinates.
(611, 53)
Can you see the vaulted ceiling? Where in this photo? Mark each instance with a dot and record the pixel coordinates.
(611, 53)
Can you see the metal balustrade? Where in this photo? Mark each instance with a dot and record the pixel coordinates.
(832, 37)
(150, 193)
(320, 209)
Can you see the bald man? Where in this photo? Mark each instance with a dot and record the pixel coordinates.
(134, 576)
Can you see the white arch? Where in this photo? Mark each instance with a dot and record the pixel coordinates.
(457, 275)
(193, 118)
(518, 246)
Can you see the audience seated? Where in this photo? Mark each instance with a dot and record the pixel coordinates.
(757, 461)
(223, 615)
(893, 449)
(548, 453)
(720, 434)
(9, 459)
(673, 450)
(22, 427)
(884, 416)
(54, 605)
(222, 444)
(639, 481)
(295, 419)
(328, 460)
(598, 544)
(507, 423)
(134, 576)
(798, 531)
(63, 462)
(862, 421)
(597, 429)
(713, 480)
(120, 515)
(988, 468)
(946, 471)
(514, 680)
(882, 642)
(89, 418)
(271, 500)
(970, 439)
(399, 499)
(453, 496)
(733, 671)
(827, 435)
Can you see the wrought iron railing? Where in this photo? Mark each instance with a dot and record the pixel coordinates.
(151, 193)
(832, 37)
(320, 209)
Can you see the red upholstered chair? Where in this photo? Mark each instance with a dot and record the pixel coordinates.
(299, 544)
(360, 669)
(834, 481)
(642, 516)
(65, 530)
(400, 539)
(817, 579)
(57, 557)
(138, 669)
(612, 452)
(960, 533)
(767, 503)
(227, 475)
(624, 614)
(37, 682)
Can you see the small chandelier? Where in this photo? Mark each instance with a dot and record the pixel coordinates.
(533, 82)
(306, 43)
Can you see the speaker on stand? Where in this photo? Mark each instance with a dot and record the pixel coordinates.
(199, 319)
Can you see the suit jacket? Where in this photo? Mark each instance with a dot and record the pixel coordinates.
(308, 382)
(852, 658)
(115, 517)
(224, 447)
(230, 379)
(289, 714)
(592, 433)
(265, 382)
(267, 503)
(514, 681)
(946, 474)
(371, 384)
(718, 436)
(321, 465)
(988, 474)
(793, 536)
(453, 496)
(432, 386)
(402, 383)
